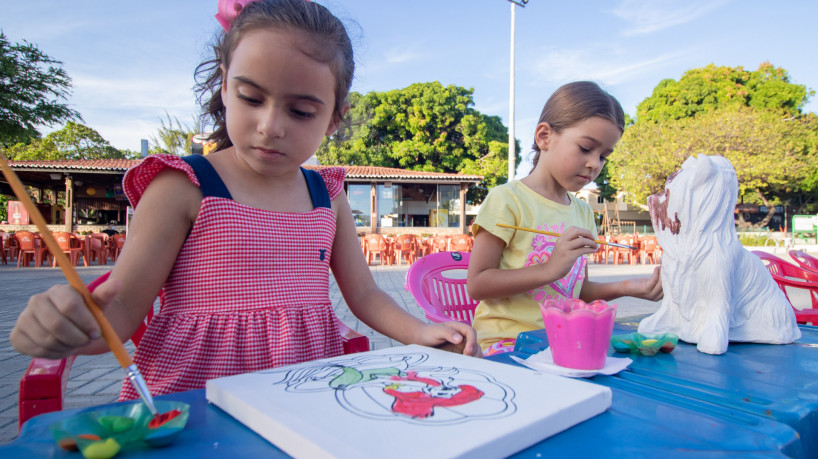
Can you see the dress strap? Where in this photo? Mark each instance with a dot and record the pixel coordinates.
(318, 189)
(212, 185)
(209, 181)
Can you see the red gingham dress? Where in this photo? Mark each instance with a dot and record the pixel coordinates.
(249, 290)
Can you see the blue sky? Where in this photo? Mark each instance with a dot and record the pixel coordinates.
(131, 62)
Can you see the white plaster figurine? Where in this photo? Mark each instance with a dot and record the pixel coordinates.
(715, 290)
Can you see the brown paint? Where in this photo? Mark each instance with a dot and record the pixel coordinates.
(658, 212)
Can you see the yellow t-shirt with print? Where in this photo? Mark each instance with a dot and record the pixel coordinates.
(516, 204)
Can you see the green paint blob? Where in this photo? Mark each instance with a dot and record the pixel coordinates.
(101, 449)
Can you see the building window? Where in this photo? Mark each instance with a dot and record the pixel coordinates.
(388, 205)
(600, 200)
(360, 203)
(416, 201)
(447, 214)
(408, 205)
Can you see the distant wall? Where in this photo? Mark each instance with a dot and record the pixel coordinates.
(77, 228)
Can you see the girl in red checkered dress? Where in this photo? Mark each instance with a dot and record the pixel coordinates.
(241, 240)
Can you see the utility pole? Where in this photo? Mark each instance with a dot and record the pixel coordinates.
(512, 141)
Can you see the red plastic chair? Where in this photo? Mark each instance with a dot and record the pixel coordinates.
(10, 245)
(804, 260)
(115, 244)
(30, 250)
(3, 249)
(440, 244)
(601, 254)
(97, 248)
(425, 244)
(648, 248)
(43, 385)
(622, 253)
(786, 275)
(461, 243)
(64, 241)
(376, 244)
(406, 245)
(443, 298)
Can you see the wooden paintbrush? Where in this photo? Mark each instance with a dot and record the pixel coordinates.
(551, 233)
(75, 281)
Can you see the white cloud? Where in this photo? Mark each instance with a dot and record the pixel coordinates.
(126, 110)
(161, 92)
(493, 107)
(399, 56)
(648, 16)
(608, 68)
(128, 136)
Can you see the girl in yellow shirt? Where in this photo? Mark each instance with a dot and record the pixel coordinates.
(512, 271)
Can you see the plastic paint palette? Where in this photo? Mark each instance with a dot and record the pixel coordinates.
(101, 434)
(644, 344)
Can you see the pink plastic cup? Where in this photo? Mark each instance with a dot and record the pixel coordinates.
(579, 333)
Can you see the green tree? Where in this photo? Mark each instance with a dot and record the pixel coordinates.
(424, 126)
(754, 118)
(32, 86)
(773, 154)
(172, 137)
(4, 207)
(74, 141)
(712, 88)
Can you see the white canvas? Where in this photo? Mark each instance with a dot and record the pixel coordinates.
(407, 401)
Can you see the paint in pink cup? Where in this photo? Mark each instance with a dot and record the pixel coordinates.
(579, 333)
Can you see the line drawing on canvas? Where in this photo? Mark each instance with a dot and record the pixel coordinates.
(400, 387)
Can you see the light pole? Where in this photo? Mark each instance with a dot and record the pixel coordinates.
(512, 142)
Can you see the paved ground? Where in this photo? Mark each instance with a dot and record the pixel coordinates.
(96, 379)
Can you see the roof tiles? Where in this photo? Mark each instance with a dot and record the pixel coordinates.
(353, 172)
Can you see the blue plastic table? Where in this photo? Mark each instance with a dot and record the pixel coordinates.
(761, 381)
(635, 425)
(756, 400)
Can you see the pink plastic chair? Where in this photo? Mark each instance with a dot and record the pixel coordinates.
(789, 275)
(443, 298)
(805, 260)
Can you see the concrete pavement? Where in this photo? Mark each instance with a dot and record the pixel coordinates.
(96, 380)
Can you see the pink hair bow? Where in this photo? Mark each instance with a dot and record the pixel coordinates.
(228, 11)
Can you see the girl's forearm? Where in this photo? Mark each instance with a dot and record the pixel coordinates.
(381, 313)
(605, 291)
(500, 283)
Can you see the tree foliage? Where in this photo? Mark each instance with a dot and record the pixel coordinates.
(773, 156)
(172, 137)
(754, 119)
(4, 208)
(74, 141)
(32, 86)
(713, 88)
(425, 127)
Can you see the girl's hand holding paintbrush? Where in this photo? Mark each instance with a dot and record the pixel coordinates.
(106, 330)
(572, 244)
(57, 323)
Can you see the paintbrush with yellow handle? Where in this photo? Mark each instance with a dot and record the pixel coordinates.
(551, 233)
(74, 280)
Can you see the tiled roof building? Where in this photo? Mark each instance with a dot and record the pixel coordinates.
(383, 199)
